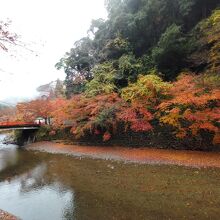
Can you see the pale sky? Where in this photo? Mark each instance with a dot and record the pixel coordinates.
(49, 27)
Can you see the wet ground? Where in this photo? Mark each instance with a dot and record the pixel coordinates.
(136, 155)
(40, 185)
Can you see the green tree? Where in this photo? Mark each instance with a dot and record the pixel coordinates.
(103, 81)
(59, 90)
(171, 52)
(148, 33)
(128, 69)
(206, 56)
(77, 65)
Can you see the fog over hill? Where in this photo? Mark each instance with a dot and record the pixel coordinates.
(49, 35)
(11, 101)
(43, 90)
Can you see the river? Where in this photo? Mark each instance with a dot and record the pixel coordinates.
(43, 186)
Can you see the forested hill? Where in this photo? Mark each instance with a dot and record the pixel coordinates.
(150, 73)
(140, 36)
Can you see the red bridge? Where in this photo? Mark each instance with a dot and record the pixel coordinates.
(19, 125)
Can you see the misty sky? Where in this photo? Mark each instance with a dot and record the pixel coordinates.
(50, 28)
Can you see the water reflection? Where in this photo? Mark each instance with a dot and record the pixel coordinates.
(33, 179)
(43, 186)
(26, 192)
(29, 197)
(8, 154)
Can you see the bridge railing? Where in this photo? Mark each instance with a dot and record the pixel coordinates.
(18, 123)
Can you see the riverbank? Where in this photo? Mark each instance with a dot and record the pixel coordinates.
(63, 186)
(6, 216)
(135, 155)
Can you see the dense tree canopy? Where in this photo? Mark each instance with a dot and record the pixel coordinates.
(152, 65)
(135, 29)
(142, 43)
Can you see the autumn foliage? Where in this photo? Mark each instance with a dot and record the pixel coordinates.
(190, 105)
(7, 114)
(29, 111)
(100, 115)
(115, 89)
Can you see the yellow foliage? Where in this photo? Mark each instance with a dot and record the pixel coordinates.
(148, 89)
(212, 33)
(172, 118)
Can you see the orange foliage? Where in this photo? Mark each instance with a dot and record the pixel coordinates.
(138, 117)
(191, 108)
(100, 115)
(106, 136)
(29, 111)
(187, 105)
(7, 114)
(58, 112)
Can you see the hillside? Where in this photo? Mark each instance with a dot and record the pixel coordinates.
(148, 75)
(139, 36)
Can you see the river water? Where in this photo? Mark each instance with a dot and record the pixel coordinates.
(42, 186)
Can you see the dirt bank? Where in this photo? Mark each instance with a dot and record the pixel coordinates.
(6, 216)
(140, 155)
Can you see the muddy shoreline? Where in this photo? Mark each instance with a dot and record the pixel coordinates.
(134, 155)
